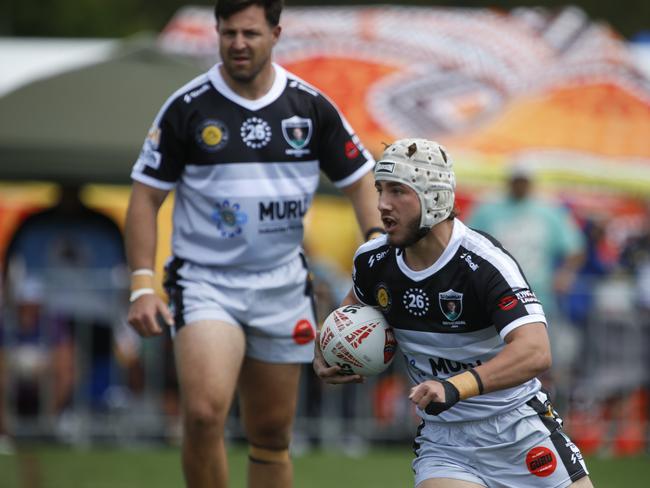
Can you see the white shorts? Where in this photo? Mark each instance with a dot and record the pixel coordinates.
(275, 308)
(523, 447)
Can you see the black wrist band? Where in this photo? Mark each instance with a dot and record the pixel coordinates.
(479, 381)
(372, 230)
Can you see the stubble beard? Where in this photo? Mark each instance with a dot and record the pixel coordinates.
(413, 234)
(243, 76)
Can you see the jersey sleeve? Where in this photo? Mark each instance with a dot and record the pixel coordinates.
(162, 158)
(343, 158)
(361, 283)
(509, 301)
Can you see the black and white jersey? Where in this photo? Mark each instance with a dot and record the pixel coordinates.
(245, 171)
(453, 315)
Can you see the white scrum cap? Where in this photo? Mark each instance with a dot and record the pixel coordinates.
(424, 166)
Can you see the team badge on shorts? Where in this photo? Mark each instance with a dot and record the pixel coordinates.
(303, 332)
(255, 132)
(212, 135)
(297, 132)
(451, 304)
(229, 218)
(384, 299)
(541, 461)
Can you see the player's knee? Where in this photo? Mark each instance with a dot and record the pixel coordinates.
(204, 418)
(266, 455)
(272, 433)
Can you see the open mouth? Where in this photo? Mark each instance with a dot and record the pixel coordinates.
(389, 224)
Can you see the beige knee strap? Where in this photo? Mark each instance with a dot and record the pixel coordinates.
(264, 455)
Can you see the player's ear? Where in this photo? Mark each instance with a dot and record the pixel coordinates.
(277, 30)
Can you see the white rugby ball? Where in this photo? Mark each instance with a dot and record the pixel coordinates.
(358, 339)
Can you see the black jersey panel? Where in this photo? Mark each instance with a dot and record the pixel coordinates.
(475, 289)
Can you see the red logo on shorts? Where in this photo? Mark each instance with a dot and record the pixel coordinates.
(508, 303)
(541, 461)
(351, 150)
(303, 332)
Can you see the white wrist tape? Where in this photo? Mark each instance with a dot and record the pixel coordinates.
(142, 272)
(135, 294)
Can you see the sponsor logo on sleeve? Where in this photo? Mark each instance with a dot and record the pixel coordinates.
(526, 296)
(149, 155)
(351, 150)
(507, 303)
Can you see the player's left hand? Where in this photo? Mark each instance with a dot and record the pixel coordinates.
(434, 397)
(331, 374)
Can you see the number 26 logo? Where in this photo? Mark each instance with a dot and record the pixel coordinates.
(416, 301)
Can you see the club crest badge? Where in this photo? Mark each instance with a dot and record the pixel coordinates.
(212, 135)
(383, 297)
(451, 304)
(297, 131)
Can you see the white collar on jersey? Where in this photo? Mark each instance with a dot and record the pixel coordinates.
(280, 81)
(457, 235)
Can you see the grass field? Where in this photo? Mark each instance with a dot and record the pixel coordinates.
(53, 467)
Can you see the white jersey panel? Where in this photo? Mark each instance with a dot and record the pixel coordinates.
(252, 213)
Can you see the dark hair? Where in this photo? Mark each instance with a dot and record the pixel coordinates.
(272, 9)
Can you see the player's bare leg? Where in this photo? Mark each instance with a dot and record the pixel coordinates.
(582, 483)
(209, 355)
(268, 398)
(448, 483)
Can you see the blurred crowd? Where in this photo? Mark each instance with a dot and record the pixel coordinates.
(71, 370)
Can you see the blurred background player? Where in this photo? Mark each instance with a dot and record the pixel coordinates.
(36, 349)
(549, 245)
(485, 419)
(239, 289)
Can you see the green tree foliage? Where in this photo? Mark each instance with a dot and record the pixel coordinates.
(117, 18)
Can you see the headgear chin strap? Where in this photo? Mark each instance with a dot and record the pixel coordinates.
(425, 167)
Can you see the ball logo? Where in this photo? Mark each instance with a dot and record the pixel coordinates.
(303, 332)
(390, 346)
(355, 338)
(341, 353)
(341, 320)
(326, 336)
(541, 461)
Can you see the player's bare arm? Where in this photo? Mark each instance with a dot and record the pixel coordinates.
(363, 196)
(526, 355)
(141, 238)
(332, 374)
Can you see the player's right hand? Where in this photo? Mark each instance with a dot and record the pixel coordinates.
(331, 374)
(144, 315)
